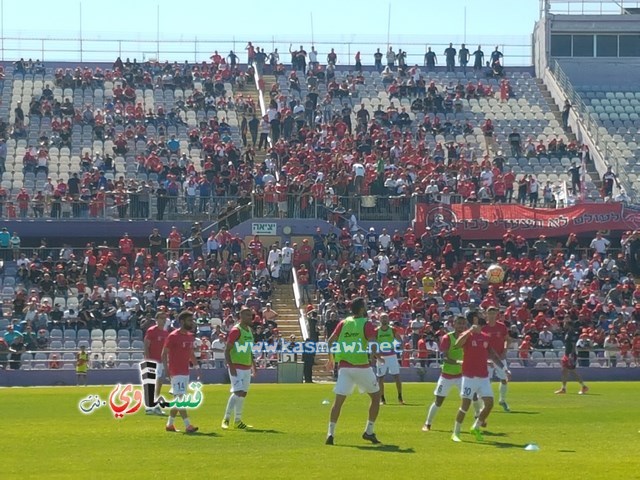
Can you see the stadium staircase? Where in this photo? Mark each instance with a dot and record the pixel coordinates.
(250, 90)
(555, 109)
(284, 303)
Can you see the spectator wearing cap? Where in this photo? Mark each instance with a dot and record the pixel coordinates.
(218, 346)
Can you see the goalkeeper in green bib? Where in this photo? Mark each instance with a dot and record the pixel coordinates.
(349, 347)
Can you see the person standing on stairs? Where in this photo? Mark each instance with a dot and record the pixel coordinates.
(309, 354)
(565, 114)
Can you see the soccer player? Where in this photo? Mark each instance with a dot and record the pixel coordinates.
(570, 357)
(387, 338)
(154, 339)
(498, 335)
(82, 364)
(176, 355)
(451, 374)
(352, 336)
(238, 354)
(475, 377)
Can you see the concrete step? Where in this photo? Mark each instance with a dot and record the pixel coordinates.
(555, 109)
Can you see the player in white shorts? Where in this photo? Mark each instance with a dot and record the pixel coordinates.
(451, 375)
(349, 347)
(350, 378)
(498, 337)
(475, 378)
(389, 340)
(154, 339)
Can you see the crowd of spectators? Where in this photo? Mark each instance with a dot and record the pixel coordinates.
(97, 190)
(317, 155)
(214, 274)
(423, 283)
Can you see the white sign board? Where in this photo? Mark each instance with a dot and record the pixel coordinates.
(264, 229)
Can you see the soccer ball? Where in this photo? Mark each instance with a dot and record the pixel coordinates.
(495, 274)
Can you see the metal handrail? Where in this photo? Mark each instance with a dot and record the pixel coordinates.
(302, 319)
(517, 49)
(592, 126)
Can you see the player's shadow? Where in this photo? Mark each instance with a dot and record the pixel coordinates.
(203, 434)
(380, 448)
(566, 451)
(387, 405)
(505, 445)
(523, 412)
(261, 430)
(494, 434)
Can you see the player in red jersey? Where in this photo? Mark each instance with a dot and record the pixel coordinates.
(176, 355)
(154, 339)
(475, 377)
(498, 334)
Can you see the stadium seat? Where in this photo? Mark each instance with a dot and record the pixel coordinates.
(110, 334)
(56, 334)
(97, 334)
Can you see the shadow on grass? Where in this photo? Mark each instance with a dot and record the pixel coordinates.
(506, 445)
(522, 412)
(202, 434)
(380, 448)
(566, 451)
(387, 405)
(494, 434)
(262, 430)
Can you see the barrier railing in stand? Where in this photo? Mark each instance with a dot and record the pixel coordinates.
(517, 49)
(599, 135)
(302, 320)
(119, 358)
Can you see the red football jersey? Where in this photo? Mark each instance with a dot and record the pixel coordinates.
(497, 336)
(180, 346)
(156, 337)
(476, 355)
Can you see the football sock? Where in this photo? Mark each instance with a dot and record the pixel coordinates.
(477, 406)
(503, 392)
(332, 428)
(186, 422)
(432, 413)
(230, 406)
(369, 427)
(170, 420)
(456, 427)
(476, 424)
(239, 405)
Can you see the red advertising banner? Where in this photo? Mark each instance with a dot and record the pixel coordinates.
(476, 221)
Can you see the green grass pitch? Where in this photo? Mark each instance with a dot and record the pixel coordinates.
(592, 436)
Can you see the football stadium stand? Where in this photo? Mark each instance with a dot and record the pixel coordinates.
(335, 162)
